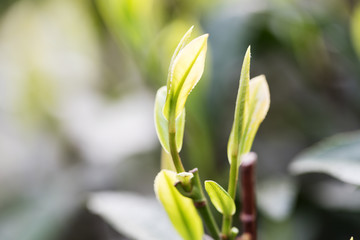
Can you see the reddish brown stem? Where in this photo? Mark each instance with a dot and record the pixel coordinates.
(248, 214)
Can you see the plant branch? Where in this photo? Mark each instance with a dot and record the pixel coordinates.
(248, 214)
(202, 206)
(197, 194)
(172, 142)
(174, 153)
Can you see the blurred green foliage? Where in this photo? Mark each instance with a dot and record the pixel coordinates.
(54, 52)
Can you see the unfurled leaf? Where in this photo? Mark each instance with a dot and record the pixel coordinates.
(338, 156)
(237, 130)
(259, 103)
(162, 125)
(221, 200)
(180, 46)
(252, 105)
(186, 70)
(180, 209)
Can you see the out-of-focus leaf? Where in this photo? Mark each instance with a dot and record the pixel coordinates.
(237, 130)
(186, 71)
(355, 29)
(335, 195)
(42, 216)
(220, 198)
(338, 156)
(133, 22)
(162, 124)
(259, 103)
(180, 209)
(276, 197)
(134, 216)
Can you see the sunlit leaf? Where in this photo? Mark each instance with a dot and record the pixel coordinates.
(186, 71)
(180, 209)
(338, 156)
(161, 123)
(179, 47)
(240, 110)
(252, 105)
(259, 103)
(220, 198)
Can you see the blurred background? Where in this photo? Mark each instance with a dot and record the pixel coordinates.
(77, 86)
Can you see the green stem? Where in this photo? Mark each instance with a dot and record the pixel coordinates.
(202, 207)
(174, 154)
(172, 142)
(199, 198)
(226, 226)
(233, 178)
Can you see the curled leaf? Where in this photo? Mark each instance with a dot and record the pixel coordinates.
(186, 70)
(252, 105)
(162, 125)
(221, 200)
(237, 130)
(259, 104)
(180, 209)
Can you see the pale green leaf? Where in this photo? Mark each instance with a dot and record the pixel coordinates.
(180, 209)
(338, 156)
(180, 46)
(259, 103)
(221, 200)
(185, 73)
(240, 110)
(161, 124)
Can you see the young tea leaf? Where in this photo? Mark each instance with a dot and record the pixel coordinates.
(240, 111)
(259, 103)
(186, 71)
(252, 105)
(180, 46)
(180, 209)
(221, 200)
(161, 124)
